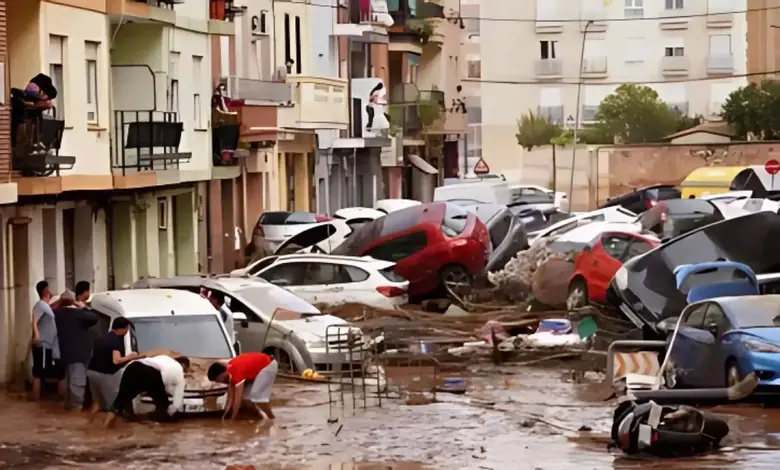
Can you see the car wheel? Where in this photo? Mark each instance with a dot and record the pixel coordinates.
(578, 295)
(733, 376)
(455, 277)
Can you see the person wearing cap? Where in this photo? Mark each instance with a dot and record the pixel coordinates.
(75, 339)
(107, 360)
(249, 376)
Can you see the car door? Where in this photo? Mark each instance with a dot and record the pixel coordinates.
(326, 283)
(714, 352)
(250, 333)
(406, 252)
(687, 348)
(605, 259)
(287, 274)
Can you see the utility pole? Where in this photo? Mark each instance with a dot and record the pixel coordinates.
(577, 114)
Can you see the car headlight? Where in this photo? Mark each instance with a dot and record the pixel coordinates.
(311, 340)
(761, 347)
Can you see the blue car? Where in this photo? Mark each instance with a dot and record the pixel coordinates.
(727, 330)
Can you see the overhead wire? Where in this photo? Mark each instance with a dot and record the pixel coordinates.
(569, 20)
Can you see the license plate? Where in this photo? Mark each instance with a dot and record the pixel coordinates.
(193, 408)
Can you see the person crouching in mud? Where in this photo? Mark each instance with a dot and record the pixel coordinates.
(157, 377)
(250, 377)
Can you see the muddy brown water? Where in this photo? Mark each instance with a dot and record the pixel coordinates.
(511, 418)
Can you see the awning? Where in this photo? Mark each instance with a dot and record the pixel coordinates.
(422, 165)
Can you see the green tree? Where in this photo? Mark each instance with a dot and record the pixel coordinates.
(754, 109)
(636, 114)
(534, 131)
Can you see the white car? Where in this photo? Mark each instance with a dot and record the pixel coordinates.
(535, 196)
(322, 237)
(391, 205)
(357, 216)
(333, 280)
(174, 320)
(608, 214)
(274, 228)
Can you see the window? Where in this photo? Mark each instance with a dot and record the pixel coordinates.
(262, 264)
(289, 274)
(474, 67)
(720, 6)
(327, 273)
(298, 46)
(720, 44)
(500, 229)
(400, 248)
(287, 39)
(173, 76)
(91, 55)
(675, 4)
(454, 221)
(694, 318)
(638, 247)
(715, 317)
(197, 73)
(191, 335)
(634, 9)
(57, 74)
(615, 245)
(547, 10)
(173, 97)
(414, 66)
(263, 26)
(547, 49)
(674, 52)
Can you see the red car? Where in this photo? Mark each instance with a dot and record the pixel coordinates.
(430, 243)
(598, 262)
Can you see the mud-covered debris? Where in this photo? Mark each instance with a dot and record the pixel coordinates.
(490, 330)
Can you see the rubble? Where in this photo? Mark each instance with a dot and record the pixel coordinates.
(537, 271)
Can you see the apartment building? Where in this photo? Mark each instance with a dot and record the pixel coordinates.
(763, 39)
(681, 56)
(7, 188)
(472, 88)
(110, 178)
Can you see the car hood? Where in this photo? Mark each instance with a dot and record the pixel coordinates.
(647, 283)
(769, 334)
(316, 325)
(325, 236)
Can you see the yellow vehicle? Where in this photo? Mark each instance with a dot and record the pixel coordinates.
(709, 180)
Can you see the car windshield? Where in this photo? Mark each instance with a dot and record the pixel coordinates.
(191, 335)
(454, 222)
(269, 298)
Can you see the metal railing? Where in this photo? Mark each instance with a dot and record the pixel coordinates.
(548, 67)
(147, 140)
(597, 65)
(404, 98)
(36, 137)
(674, 63)
(553, 114)
(259, 90)
(720, 63)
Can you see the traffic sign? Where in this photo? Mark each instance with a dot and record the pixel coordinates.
(482, 168)
(772, 167)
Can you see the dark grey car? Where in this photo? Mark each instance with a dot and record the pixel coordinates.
(506, 230)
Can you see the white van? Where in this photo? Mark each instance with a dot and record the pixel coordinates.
(481, 191)
(173, 320)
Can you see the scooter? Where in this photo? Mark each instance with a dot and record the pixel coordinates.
(640, 425)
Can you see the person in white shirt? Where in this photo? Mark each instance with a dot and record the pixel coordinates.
(158, 377)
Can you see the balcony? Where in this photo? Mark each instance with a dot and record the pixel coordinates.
(146, 141)
(447, 120)
(720, 20)
(548, 69)
(403, 108)
(225, 136)
(366, 26)
(674, 19)
(594, 68)
(161, 11)
(589, 114)
(674, 66)
(320, 103)
(260, 92)
(549, 26)
(593, 22)
(720, 64)
(414, 21)
(681, 107)
(221, 16)
(553, 114)
(35, 141)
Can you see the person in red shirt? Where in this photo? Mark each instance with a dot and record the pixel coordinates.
(249, 376)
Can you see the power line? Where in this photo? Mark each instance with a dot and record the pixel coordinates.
(567, 20)
(596, 83)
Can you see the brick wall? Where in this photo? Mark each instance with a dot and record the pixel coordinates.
(5, 125)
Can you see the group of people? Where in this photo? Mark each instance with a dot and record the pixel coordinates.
(107, 378)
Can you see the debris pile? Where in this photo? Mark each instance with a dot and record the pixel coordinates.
(539, 271)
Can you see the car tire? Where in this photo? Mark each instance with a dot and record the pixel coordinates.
(733, 375)
(578, 295)
(453, 273)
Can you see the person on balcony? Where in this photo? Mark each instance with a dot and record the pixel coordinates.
(29, 104)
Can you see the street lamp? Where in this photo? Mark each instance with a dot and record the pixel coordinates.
(577, 113)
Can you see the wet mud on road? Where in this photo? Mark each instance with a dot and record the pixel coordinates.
(511, 418)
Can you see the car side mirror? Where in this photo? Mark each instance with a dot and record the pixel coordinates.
(667, 325)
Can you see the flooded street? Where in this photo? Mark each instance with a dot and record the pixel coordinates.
(511, 418)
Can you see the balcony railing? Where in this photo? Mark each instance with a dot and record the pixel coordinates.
(674, 65)
(720, 64)
(403, 107)
(549, 68)
(35, 140)
(553, 114)
(259, 90)
(405, 11)
(161, 3)
(146, 141)
(589, 113)
(675, 18)
(320, 102)
(597, 66)
(225, 135)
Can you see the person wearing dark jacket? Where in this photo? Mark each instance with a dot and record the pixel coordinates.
(73, 324)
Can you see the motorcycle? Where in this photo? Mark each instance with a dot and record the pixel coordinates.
(665, 431)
